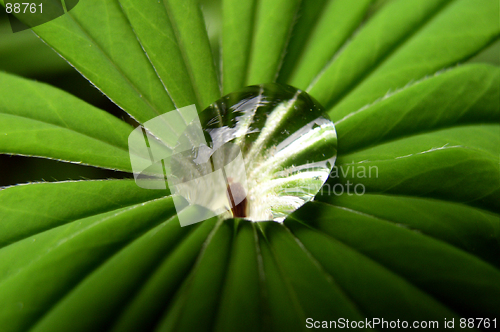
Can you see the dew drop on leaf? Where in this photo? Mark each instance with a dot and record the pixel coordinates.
(288, 146)
(259, 153)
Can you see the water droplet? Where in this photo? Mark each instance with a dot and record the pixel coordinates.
(288, 146)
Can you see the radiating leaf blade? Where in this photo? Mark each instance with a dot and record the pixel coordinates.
(384, 33)
(459, 164)
(145, 309)
(144, 253)
(466, 94)
(105, 49)
(24, 214)
(237, 34)
(189, 27)
(195, 304)
(366, 281)
(67, 253)
(457, 26)
(413, 256)
(151, 24)
(39, 120)
(336, 24)
(473, 230)
(318, 294)
(242, 304)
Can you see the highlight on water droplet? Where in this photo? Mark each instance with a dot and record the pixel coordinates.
(259, 153)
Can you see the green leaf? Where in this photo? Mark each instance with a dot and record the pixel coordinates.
(238, 17)
(337, 22)
(241, 302)
(115, 65)
(421, 243)
(467, 94)
(470, 229)
(271, 35)
(488, 55)
(191, 34)
(23, 214)
(366, 281)
(138, 82)
(145, 309)
(316, 293)
(150, 22)
(195, 303)
(283, 312)
(459, 164)
(69, 252)
(433, 266)
(38, 120)
(385, 32)
(306, 20)
(145, 253)
(411, 50)
(441, 159)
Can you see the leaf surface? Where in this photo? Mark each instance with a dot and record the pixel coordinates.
(412, 50)
(238, 20)
(412, 255)
(271, 35)
(24, 214)
(39, 120)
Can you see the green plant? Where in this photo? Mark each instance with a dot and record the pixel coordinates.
(423, 243)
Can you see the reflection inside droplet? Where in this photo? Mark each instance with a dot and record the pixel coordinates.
(288, 146)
